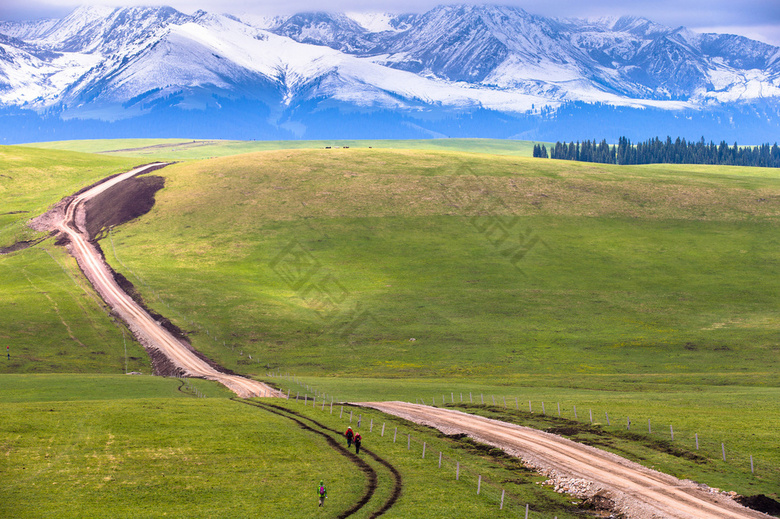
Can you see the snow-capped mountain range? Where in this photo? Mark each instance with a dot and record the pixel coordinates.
(411, 72)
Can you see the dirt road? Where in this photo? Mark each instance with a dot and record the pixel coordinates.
(70, 221)
(636, 491)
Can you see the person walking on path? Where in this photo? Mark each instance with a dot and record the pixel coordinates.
(358, 439)
(322, 492)
(350, 436)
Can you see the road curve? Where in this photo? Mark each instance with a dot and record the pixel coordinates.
(151, 334)
(638, 491)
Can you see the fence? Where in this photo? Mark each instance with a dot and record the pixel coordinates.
(678, 441)
(404, 442)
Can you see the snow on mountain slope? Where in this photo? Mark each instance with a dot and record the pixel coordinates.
(379, 22)
(112, 63)
(31, 75)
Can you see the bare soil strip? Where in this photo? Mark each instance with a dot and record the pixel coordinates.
(636, 491)
(69, 219)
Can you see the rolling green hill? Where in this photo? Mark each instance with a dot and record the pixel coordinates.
(646, 291)
(332, 261)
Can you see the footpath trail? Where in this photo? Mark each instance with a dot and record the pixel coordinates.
(330, 435)
(637, 492)
(70, 220)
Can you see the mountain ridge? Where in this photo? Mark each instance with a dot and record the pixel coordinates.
(111, 64)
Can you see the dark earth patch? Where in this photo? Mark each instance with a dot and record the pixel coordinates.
(600, 502)
(124, 202)
(21, 245)
(761, 503)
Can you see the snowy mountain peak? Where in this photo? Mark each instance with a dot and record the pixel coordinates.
(115, 63)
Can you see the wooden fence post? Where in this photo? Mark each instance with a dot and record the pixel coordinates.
(479, 484)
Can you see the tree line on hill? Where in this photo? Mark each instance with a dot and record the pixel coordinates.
(656, 151)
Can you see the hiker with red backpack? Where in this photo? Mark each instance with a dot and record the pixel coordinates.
(358, 439)
(350, 436)
(322, 492)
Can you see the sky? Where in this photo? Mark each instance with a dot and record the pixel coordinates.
(756, 19)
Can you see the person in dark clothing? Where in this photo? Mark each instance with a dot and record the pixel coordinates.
(358, 439)
(350, 436)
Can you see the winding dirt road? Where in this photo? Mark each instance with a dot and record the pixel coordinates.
(638, 492)
(71, 222)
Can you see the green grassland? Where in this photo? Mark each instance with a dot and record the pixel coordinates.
(647, 291)
(32, 180)
(52, 319)
(183, 149)
(144, 447)
(332, 262)
(644, 291)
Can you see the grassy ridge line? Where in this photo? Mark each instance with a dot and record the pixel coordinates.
(181, 149)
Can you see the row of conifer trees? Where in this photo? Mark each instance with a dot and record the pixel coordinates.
(656, 151)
